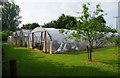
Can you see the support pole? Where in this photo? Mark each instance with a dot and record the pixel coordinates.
(33, 40)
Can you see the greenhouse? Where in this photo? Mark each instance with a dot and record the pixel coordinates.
(16, 37)
(50, 40)
(24, 37)
(20, 37)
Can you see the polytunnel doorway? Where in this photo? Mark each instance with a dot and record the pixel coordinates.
(40, 39)
(37, 41)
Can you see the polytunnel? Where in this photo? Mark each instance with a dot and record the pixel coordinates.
(16, 37)
(50, 40)
(24, 37)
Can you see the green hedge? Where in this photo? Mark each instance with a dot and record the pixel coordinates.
(5, 34)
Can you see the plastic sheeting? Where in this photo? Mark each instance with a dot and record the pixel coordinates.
(24, 36)
(53, 41)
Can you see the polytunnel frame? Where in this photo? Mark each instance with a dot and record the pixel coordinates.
(42, 40)
(62, 44)
(24, 35)
(50, 41)
(16, 36)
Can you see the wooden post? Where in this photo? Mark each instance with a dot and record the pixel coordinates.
(51, 47)
(45, 42)
(32, 40)
(13, 68)
(41, 38)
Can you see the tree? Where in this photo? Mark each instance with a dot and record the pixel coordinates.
(10, 16)
(90, 27)
(5, 34)
(66, 22)
(51, 24)
(30, 26)
(63, 22)
(114, 39)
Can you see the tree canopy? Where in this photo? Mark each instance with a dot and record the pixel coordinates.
(64, 21)
(10, 16)
(30, 26)
(90, 26)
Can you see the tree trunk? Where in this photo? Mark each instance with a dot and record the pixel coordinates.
(90, 49)
(90, 53)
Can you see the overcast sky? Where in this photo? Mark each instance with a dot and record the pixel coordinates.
(43, 11)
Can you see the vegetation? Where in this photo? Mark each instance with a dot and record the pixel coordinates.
(5, 34)
(35, 63)
(30, 26)
(10, 16)
(10, 19)
(63, 22)
(114, 39)
(91, 28)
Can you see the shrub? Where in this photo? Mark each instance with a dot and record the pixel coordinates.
(5, 34)
(117, 41)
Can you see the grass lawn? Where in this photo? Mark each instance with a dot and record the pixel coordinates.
(36, 63)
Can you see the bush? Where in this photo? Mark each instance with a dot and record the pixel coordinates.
(5, 34)
(117, 42)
